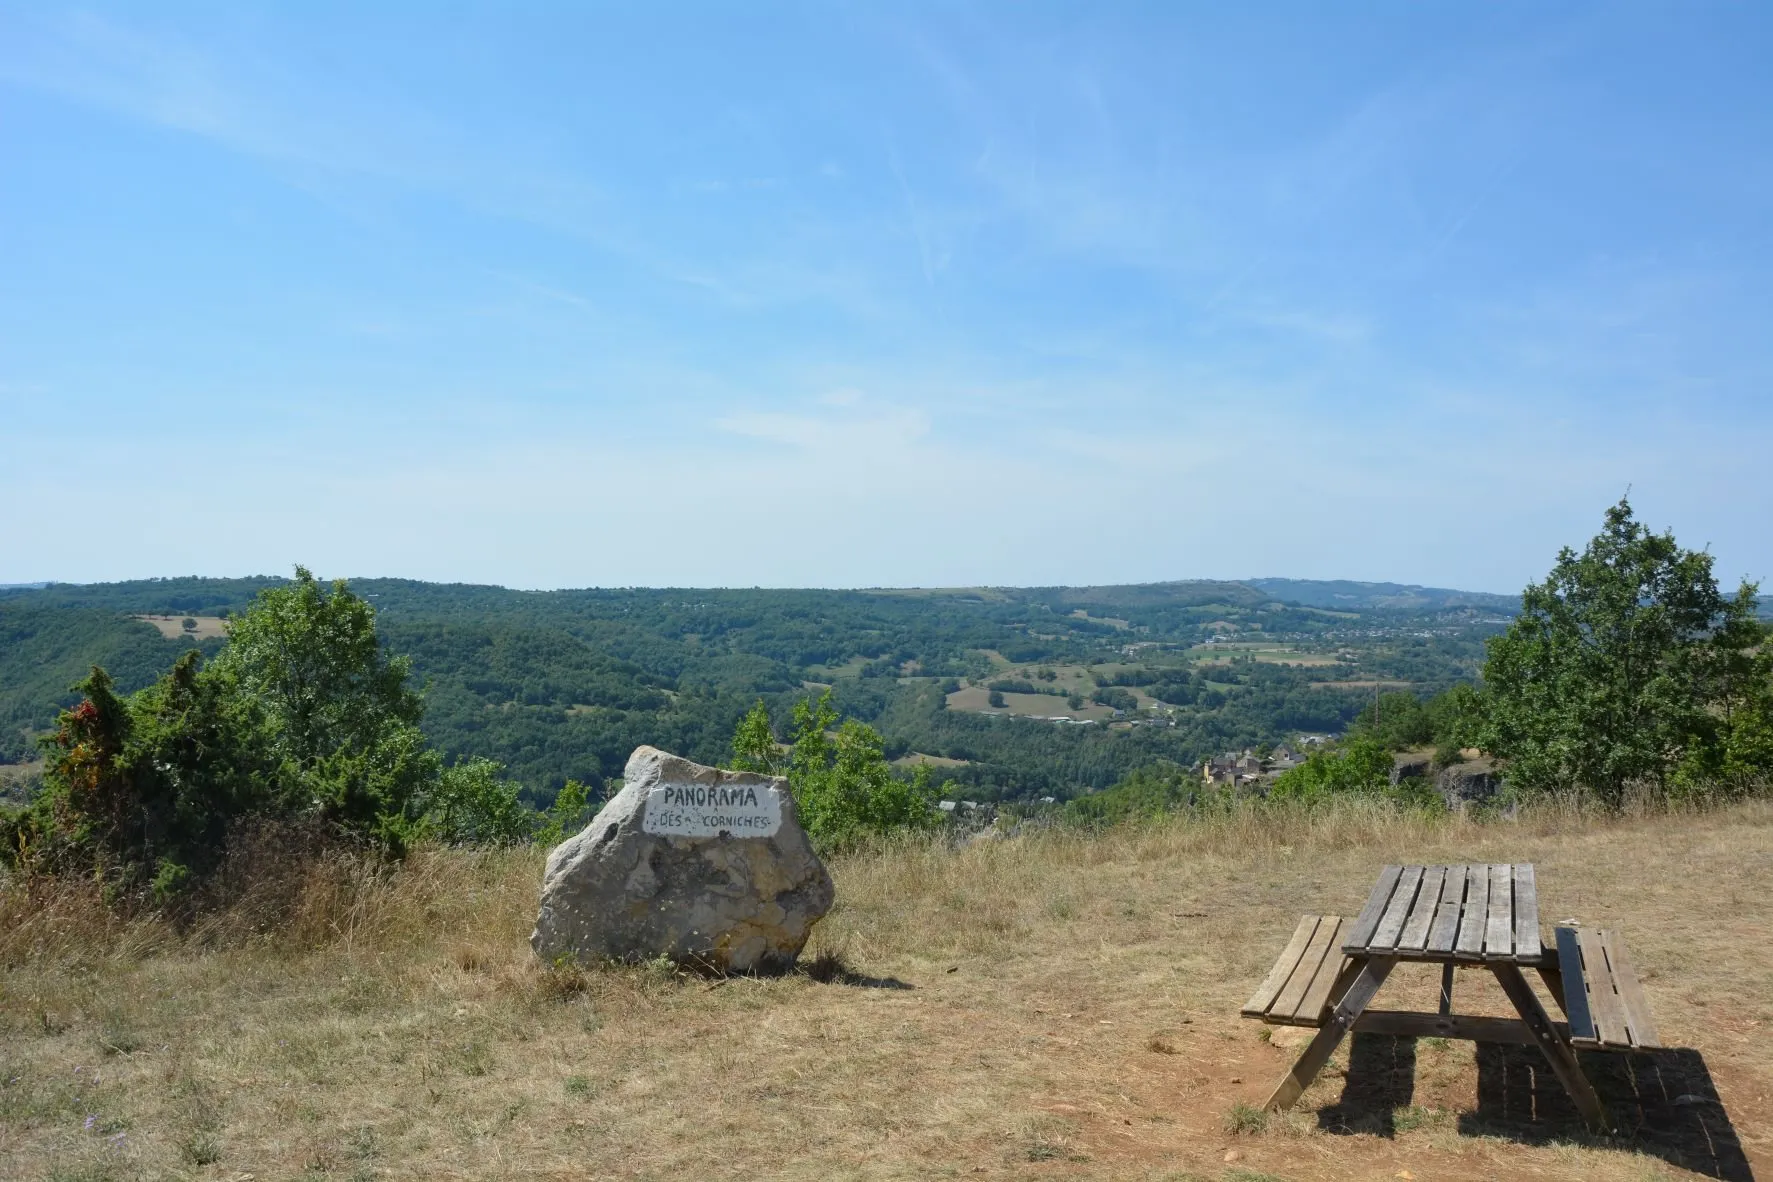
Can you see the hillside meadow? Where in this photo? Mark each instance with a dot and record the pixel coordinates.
(1062, 1004)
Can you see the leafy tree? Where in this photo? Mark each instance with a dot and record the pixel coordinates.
(1626, 666)
(843, 786)
(754, 744)
(143, 788)
(313, 659)
(995, 699)
(1363, 764)
(335, 707)
(567, 815)
(470, 805)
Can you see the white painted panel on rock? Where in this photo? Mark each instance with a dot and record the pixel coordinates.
(705, 810)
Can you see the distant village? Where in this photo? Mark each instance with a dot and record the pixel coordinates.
(1249, 770)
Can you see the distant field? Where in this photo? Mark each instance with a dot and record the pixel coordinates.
(1271, 654)
(172, 627)
(976, 698)
(918, 759)
(11, 773)
(1120, 624)
(1354, 685)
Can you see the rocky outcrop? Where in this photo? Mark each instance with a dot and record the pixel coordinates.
(1410, 765)
(1472, 780)
(707, 867)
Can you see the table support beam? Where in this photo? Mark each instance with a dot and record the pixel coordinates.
(1447, 988)
(1317, 1052)
(1557, 1050)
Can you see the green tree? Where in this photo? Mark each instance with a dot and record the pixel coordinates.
(844, 788)
(567, 815)
(1626, 666)
(754, 744)
(335, 707)
(143, 789)
(313, 660)
(1362, 764)
(469, 804)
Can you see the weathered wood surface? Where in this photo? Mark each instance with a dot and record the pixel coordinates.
(1499, 923)
(1551, 1043)
(1470, 944)
(1412, 1024)
(1414, 937)
(1446, 916)
(1348, 1009)
(1603, 997)
(1527, 946)
(1361, 934)
(1639, 1020)
(1283, 968)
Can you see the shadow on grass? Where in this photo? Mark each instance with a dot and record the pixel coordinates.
(1381, 1078)
(1662, 1103)
(829, 968)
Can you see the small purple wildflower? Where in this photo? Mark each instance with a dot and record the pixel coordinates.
(91, 1120)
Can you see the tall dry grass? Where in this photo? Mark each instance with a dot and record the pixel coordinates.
(1060, 1002)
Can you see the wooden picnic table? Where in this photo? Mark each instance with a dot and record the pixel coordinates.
(1484, 915)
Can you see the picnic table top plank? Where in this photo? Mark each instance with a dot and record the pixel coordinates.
(1499, 924)
(1471, 922)
(1263, 998)
(1422, 911)
(1403, 897)
(1361, 934)
(1446, 915)
(1527, 945)
(1293, 994)
(1603, 1004)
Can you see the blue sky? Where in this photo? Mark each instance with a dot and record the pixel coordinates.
(885, 294)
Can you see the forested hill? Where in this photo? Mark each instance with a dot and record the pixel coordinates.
(1010, 692)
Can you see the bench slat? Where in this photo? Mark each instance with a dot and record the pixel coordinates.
(1283, 968)
(1428, 897)
(1603, 1002)
(1631, 993)
(1310, 1011)
(1293, 995)
(1575, 991)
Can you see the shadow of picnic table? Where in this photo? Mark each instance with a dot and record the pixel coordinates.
(1663, 1103)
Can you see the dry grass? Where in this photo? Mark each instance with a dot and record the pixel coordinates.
(173, 627)
(1055, 1005)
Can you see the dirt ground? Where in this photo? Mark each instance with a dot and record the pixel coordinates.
(1055, 1007)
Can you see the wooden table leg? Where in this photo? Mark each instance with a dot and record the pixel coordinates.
(1447, 988)
(1317, 1052)
(1556, 1049)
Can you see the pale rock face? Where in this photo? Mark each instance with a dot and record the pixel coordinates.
(708, 867)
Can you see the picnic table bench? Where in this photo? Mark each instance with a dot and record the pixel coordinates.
(1483, 915)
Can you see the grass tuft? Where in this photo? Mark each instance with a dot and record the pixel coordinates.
(1245, 1119)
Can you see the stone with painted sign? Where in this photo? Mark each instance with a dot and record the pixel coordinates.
(707, 867)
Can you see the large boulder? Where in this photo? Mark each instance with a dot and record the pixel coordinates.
(1470, 781)
(708, 867)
